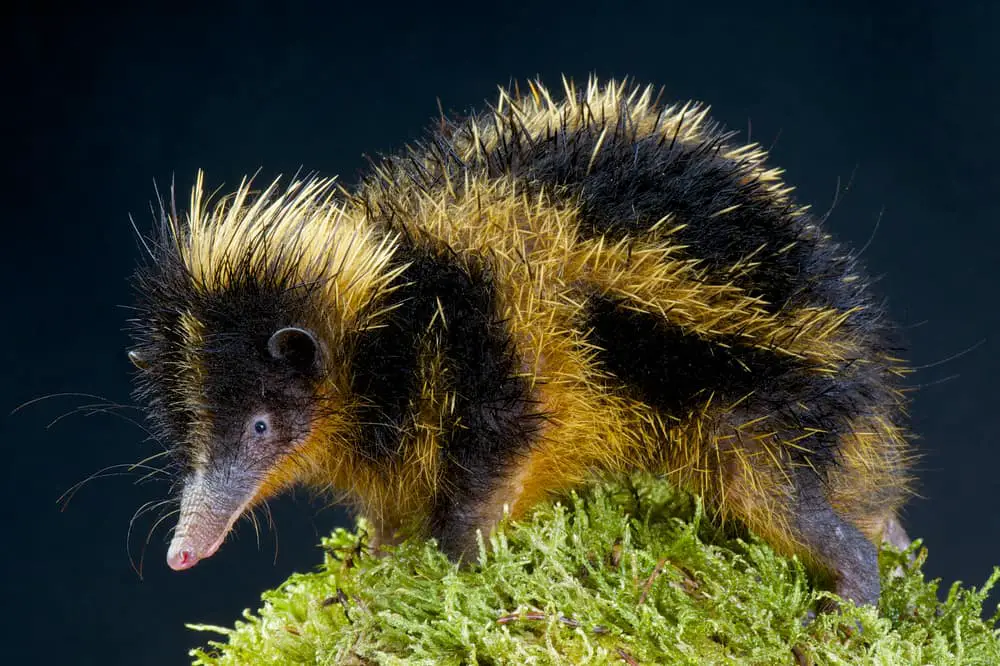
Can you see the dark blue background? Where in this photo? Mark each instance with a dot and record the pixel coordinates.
(98, 105)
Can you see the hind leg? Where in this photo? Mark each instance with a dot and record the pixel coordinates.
(833, 545)
(788, 505)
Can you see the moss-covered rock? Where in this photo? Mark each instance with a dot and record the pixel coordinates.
(622, 573)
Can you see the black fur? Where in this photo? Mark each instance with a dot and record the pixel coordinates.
(495, 417)
(673, 370)
(677, 372)
(493, 420)
(383, 364)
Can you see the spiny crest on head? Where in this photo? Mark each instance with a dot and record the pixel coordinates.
(300, 237)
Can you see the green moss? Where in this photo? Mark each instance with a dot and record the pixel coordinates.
(623, 572)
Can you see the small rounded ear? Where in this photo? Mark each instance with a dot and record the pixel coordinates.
(137, 359)
(295, 346)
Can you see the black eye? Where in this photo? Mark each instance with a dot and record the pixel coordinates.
(260, 427)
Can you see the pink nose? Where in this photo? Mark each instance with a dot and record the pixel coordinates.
(181, 559)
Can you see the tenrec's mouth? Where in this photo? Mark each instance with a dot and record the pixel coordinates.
(206, 517)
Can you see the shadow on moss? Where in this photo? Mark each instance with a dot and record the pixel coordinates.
(620, 573)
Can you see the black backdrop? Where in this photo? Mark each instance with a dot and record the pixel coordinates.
(97, 105)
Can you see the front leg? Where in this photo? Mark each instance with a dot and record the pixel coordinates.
(454, 525)
(474, 503)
